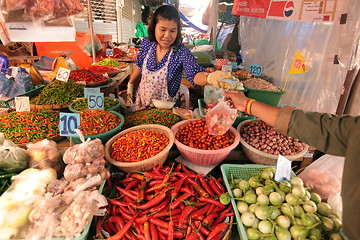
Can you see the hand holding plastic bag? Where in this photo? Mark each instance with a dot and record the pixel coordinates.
(220, 118)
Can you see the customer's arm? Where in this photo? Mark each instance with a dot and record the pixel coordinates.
(265, 112)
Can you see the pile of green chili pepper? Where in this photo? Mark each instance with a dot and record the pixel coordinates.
(108, 62)
(96, 121)
(82, 103)
(58, 93)
(138, 145)
(163, 117)
(31, 126)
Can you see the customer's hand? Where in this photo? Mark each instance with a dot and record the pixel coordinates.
(237, 97)
(215, 78)
(130, 95)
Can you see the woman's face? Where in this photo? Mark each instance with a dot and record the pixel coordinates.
(165, 32)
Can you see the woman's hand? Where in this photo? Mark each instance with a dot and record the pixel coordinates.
(237, 97)
(130, 95)
(215, 78)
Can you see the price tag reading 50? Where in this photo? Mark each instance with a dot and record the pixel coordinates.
(96, 101)
(63, 74)
(68, 123)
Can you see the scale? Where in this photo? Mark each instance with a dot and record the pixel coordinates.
(63, 61)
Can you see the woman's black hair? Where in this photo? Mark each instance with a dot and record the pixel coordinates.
(166, 12)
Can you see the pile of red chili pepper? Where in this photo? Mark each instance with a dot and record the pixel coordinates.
(138, 145)
(168, 202)
(195, 134)
(31, 126)
(96, 121)
(164, 117)
(102, 69)
(85, 75)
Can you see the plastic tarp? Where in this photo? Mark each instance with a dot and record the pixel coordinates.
(273, 43)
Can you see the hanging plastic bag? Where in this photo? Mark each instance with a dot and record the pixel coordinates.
(66, 8)
(22, 83)
(324, 176)
(220, 118)
(6, 85)
(86, 44)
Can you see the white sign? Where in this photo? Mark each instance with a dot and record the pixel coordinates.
(63, 74)
(22, 104)
(283, 169)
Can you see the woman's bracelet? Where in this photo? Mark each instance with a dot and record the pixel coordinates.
(248, 106)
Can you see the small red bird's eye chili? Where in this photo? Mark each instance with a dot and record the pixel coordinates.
(138, 145)
(96, 121)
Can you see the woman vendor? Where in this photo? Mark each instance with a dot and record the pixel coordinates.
(161, 60)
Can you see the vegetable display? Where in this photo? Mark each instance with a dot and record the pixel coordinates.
(195, 134)
(282, 210)
(58, 93)
(85, 75)
(31, 126)
(168, 202)
(260, 84)
(96, 121)
(263, 137)
(102, 69)
(82, 103)
(138, 145)
(108, 62)
(163, 117)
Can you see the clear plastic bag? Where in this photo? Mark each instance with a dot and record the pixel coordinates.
(12, 157)
(86, 44)
(85, 160)
(324, 176)
(220, 118)
(45, 154)
(6, 85)
(212, 94)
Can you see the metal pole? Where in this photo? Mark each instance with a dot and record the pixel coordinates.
(92, 31)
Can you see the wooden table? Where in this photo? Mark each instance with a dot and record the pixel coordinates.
(113, 86)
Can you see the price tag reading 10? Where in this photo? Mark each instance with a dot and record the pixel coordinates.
(63, 74)
(256, 69)
(68, 123)
(96, 101)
